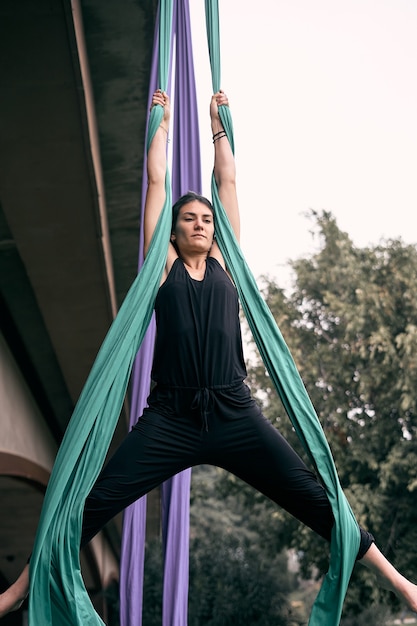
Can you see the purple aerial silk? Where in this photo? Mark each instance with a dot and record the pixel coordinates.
(185, 176)
(134, 519)
(175, 493)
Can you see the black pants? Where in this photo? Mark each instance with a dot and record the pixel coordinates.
(184, 428)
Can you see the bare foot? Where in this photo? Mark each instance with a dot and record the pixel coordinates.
(13, 598)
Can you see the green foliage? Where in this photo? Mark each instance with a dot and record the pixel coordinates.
(351, 325)
(236, 577)
(373, 616)
(152, 584)
(231, 584)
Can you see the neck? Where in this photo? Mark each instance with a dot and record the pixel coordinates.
(194, 262)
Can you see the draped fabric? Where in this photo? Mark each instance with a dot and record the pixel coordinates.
(175, 493)
(132, 556)
(284, 374)
(57, 592)
(186, 175)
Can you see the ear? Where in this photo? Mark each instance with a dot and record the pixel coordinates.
(172, 236)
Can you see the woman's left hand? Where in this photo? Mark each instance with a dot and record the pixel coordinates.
(217, 100)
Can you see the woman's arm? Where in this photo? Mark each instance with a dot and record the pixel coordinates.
(156, 170)
(224, 164)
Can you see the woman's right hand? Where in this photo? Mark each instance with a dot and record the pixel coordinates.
(162, 98)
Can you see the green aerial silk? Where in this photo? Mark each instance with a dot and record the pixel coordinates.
(57, 593)
(284, 374)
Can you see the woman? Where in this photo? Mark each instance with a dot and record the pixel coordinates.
(200, 410)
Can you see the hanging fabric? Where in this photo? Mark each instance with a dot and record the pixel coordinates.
(132, 555)
(284, 374)
(186, 175)
(57, 593)
(175, 493)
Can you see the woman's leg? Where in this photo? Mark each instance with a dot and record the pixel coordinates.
(254, 450)
(251, 448)
(157, 448)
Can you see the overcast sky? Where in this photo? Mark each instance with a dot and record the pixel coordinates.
(323, 95)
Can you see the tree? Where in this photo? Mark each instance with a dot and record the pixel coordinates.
(350, 322)
(235, 578)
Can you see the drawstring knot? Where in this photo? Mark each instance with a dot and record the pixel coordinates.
(202, 402)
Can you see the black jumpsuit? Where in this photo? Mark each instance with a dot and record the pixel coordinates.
(201, 412)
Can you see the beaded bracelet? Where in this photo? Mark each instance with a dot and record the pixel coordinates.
(163, 128)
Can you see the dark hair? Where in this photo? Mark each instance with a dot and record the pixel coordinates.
(191, 196)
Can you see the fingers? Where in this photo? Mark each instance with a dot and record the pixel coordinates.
(160, 97)
(218, 99)
(221, 98)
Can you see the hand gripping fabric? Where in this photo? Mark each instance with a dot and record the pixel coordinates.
(284, 374)
(57, 593)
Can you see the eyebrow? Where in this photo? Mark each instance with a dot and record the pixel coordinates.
(194, 214)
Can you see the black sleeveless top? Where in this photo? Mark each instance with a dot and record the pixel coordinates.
(198, 337)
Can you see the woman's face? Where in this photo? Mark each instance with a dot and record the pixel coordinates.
(194, 230)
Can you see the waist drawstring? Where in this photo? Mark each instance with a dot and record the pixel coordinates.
(202, 402)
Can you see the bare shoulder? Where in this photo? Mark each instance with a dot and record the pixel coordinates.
(172, 256)
(215, 253)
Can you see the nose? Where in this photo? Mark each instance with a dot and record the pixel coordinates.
(199, 224)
